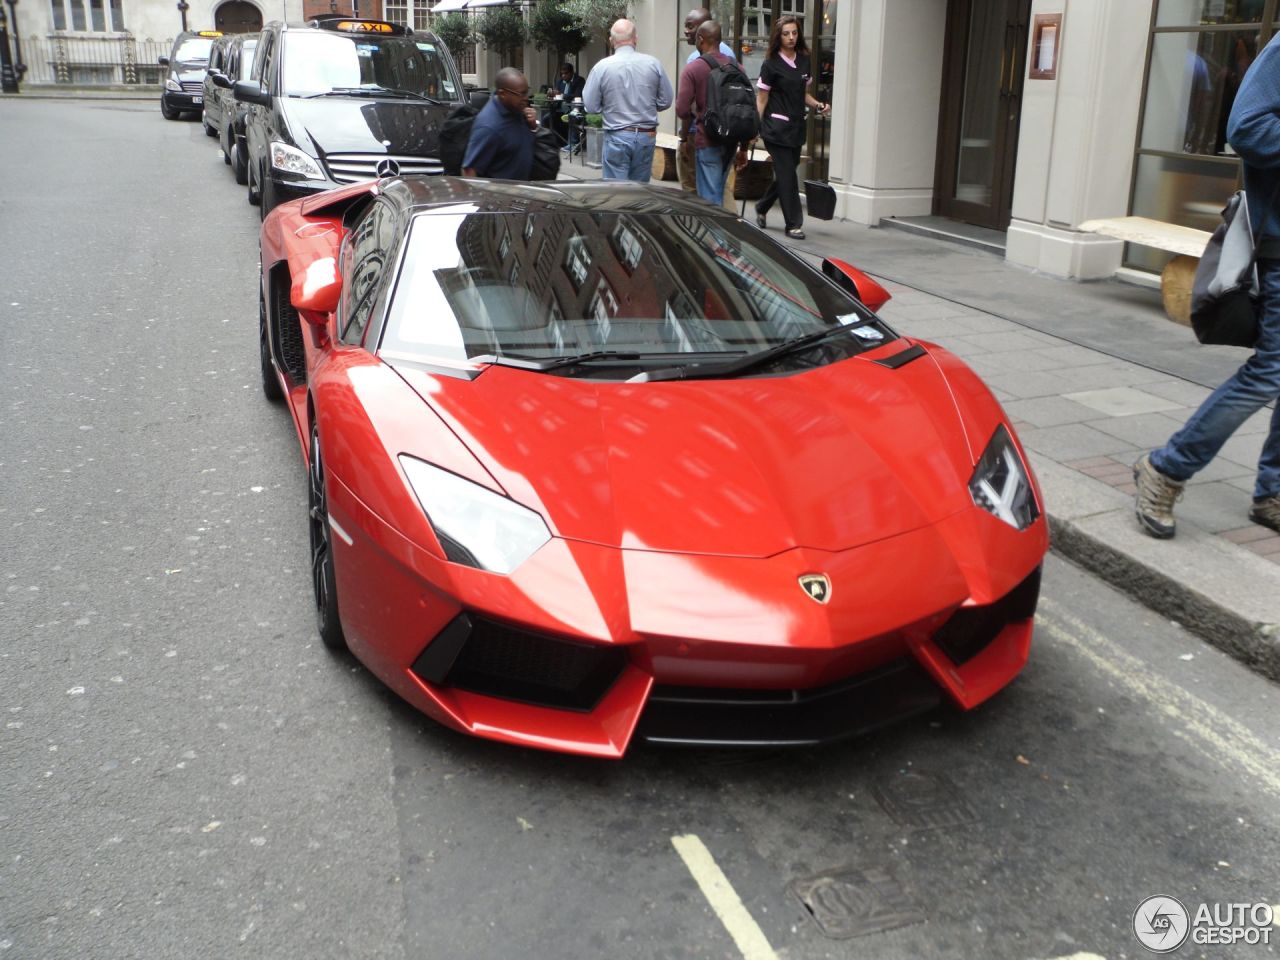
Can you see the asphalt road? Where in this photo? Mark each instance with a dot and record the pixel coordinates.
(185, 772)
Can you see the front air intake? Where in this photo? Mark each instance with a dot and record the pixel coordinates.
(971, 629)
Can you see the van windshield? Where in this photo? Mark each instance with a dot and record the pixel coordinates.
(319, 62)
(194, 50)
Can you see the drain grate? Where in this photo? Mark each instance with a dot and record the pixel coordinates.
(849, 903)
(924, 801)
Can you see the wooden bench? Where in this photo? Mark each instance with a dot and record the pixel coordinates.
(664, 162)
(1186, 243)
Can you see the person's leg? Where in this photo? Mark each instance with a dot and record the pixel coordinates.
(764, 204)
(784, 173)
(687, 170)
(615, 156)
(710, 173)
(730, 181)
(1161, 474)
(642, 145)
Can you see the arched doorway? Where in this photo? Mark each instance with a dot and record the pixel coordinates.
(238, 16)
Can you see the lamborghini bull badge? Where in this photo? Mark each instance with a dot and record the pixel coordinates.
(817, 586)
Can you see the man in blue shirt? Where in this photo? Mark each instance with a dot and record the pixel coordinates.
(501, 144)
(1161, 475)
(629, 89)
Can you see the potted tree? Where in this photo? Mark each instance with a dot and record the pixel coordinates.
(454, 31)
(555, 29)
(502, 29)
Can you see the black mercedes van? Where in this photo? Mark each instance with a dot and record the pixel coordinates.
(339, 100)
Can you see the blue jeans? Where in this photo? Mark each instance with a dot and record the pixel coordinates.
(1251, 388)
(712, 172)
(627, 155)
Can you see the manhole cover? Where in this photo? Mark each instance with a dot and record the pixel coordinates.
(853, 903)
(922, 800)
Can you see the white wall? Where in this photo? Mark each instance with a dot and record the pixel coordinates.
(888, 76)
(1077, 137)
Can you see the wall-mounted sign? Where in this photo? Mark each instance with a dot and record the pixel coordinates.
(1046, 41)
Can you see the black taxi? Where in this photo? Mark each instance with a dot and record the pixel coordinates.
(339, 100)
(187, 65)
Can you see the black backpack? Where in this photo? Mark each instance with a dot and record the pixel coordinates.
(455, 132)
(730, 115)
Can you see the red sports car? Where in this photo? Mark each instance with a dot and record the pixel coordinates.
(591, 462)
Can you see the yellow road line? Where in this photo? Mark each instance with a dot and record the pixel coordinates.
(1206, 728)
(724, 900)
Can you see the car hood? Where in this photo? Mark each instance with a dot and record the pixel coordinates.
(361, 125)
(829, 459)
(189, 72)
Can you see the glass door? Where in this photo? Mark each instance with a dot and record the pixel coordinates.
(983, 71)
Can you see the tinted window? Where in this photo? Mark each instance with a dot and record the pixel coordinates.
(317, 62)
(371, 243)
(246, 59)
(582, 282)
(193, 50)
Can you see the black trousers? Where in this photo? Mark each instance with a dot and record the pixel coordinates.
(785, 187)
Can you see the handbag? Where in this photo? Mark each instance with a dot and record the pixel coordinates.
(1224, 291)
(820, 199)
(546, 154)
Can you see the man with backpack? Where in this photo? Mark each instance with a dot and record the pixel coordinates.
(716, 94)
(686, 171)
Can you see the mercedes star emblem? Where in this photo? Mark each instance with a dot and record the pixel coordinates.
(387, 168)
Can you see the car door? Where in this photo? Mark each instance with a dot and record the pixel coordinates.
(259, 119)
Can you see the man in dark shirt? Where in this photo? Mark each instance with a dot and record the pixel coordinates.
(501, 144)
(713, 160)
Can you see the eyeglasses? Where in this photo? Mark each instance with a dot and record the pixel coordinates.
(522, 96)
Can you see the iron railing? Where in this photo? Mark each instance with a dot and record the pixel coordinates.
(94, 61)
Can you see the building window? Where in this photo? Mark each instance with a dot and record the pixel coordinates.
(97, 16)
(577, 261)
(627, 245)
(1184, 170)
(400, 11)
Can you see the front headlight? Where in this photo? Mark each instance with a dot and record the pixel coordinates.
(1000, 484)
(172, 84)
(292, 160)
(476, 527)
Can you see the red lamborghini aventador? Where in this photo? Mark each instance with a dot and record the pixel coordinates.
(591, 462)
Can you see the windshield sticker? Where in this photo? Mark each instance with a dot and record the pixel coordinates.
(868, 333)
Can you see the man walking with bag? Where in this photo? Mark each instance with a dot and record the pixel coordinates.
(686, 169)
(702, 87)
(501, 144)
(629, 89)
(1161, 475)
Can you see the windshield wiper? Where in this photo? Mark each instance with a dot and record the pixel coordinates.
(542, 364)
(731, 368)
(372, 92)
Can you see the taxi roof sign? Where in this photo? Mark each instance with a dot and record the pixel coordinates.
(208, 33)
(350, 25)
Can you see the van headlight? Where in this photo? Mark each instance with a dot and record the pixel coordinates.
(171, 83)
(476, 527)
(292, 160)
(1000, 484)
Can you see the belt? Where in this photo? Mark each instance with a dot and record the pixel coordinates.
(649, 130)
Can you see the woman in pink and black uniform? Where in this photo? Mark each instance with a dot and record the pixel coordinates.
(782, 92)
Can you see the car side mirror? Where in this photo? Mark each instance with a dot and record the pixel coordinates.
(163, 61)
(220, 79)
(316, 290)
(856, 283)
(250, 91)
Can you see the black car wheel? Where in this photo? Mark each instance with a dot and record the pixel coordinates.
(270, 382)
(268, 195)
(168, 112)
(322, 579)
(238, 165)
(204, 122)
(225, 142)
(255, 190)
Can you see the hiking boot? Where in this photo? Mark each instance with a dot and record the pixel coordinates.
(1154, 500)
(1266, 512)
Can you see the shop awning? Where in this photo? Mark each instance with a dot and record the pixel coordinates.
(448, 6)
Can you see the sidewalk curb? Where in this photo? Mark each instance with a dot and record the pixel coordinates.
(1255, 644)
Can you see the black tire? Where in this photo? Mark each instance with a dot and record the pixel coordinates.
(168, 112)
(255, 191)
(204, 122)
(222, 142)
(271, 388)
(268, 196)
(238, 165)
(322, 580)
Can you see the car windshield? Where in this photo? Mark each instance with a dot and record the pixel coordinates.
(194, 50)
(550, 285)
(246, 59)
(318, 62)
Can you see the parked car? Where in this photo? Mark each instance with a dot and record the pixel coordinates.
(187, 62)
(211, 109)
(340, 100)
(222, 110)
(591, 462)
